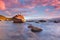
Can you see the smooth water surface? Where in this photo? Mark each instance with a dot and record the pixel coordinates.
(17, 31)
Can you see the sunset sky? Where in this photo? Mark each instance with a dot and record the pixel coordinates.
(31, 8)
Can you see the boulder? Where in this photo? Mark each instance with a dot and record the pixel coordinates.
(18, 19)
(56, 21)
(34, 29)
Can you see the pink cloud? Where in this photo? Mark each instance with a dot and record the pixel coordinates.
(28, 3)
(2, 5)
(47, 10)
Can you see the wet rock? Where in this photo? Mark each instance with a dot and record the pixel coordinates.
(35, 29)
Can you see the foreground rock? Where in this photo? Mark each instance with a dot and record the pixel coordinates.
(34, 29)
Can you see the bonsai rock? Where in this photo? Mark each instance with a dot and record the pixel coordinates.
(18, 19)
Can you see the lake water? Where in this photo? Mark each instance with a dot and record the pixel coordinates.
(17, 31)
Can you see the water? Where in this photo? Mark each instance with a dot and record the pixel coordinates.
(17, 31)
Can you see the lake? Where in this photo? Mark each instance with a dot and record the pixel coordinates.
(20, 31)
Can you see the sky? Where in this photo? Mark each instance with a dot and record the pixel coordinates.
(30, 8)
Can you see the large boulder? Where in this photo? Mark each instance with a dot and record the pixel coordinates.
(18, 19)
(35, 29)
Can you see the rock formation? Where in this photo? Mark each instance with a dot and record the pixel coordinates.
(18, 19)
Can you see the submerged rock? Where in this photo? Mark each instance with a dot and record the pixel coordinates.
(35, 29)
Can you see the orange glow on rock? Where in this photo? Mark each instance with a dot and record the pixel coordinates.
(21, 17)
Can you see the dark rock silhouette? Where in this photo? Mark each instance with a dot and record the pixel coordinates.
(36, 22)
(42, 21)
(56, 21)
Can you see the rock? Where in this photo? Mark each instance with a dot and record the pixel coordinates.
(18, 19)
(42, 20)
(35, 29)
(36, 22)
(0, 20)
(56, 21)
(30, 26)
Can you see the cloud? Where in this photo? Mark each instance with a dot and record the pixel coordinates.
(7, 12)
(2, 5)
(30, 4)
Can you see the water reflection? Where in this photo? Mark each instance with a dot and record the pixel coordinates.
(13, 31)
